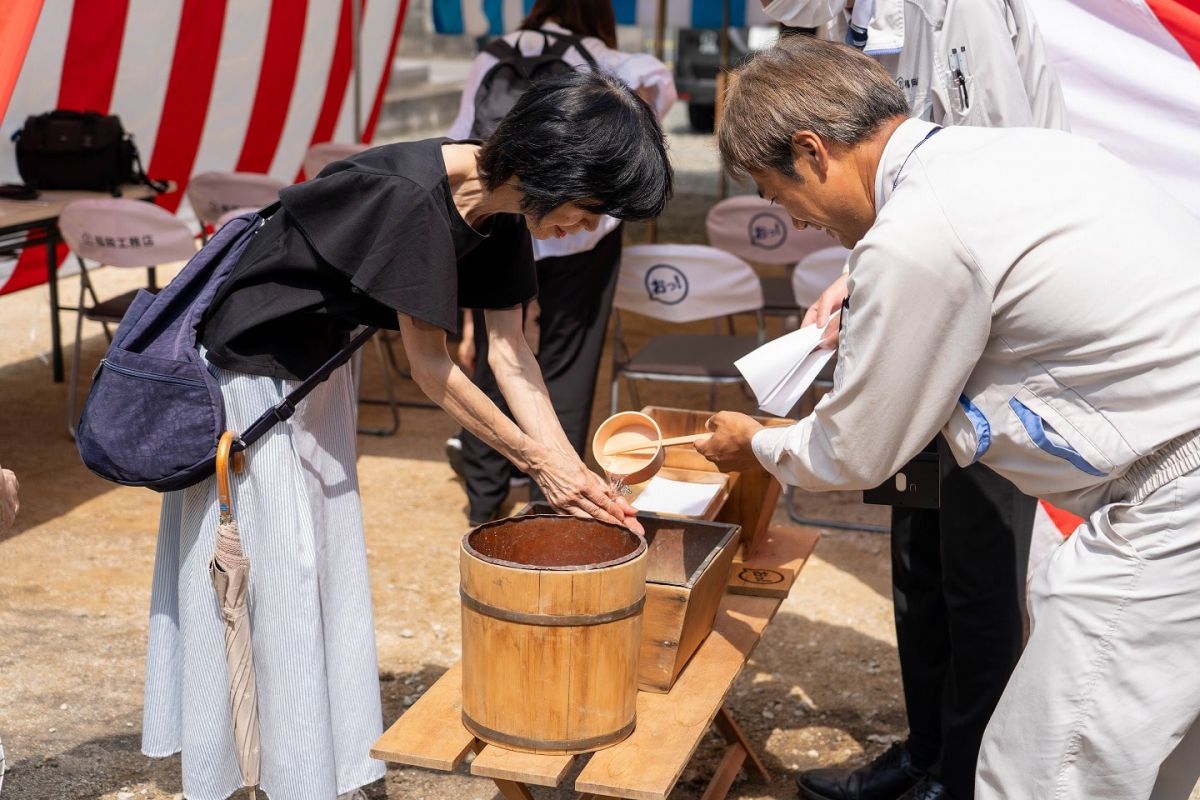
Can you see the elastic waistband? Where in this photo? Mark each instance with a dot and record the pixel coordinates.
(1177, 457)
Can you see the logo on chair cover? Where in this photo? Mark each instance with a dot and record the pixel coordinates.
(767, 230)
(666, 284)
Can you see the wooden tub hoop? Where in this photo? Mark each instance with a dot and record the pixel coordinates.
(548, 620)
(563, 745)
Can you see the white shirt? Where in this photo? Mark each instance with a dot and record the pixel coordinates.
(638, 70)
(1007, 79)
(1023, 291)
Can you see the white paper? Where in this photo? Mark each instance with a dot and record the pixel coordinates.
(781, 371)
(665, 496)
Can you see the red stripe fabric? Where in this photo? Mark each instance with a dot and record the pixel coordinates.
(369, 130)
(93, 50)
(1181, 18)
(339, 76)
(88, 77)
(1065, 521)
(189, 90)
(276, 80)
(17, 24)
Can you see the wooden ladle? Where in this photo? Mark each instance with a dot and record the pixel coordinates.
(611, 450)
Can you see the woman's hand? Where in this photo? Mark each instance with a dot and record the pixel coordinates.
(829, 303)
(573, 489)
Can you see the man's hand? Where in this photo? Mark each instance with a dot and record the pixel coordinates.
(729, 445)
(826, 306)
(9, 504)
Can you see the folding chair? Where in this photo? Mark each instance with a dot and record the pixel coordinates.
(681, 284)
(760, 232)
(117, 232)
(215, 194)
(322, 155)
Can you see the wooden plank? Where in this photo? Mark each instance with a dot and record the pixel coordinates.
(772, 570)
(540, 770)
(670, 726)
(430, 734)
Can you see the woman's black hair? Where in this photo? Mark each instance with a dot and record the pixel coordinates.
(583, 138)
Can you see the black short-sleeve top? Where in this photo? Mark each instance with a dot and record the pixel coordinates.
(375, 234)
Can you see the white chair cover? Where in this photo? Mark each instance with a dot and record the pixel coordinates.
(815, 272)
(754, 229)
(321, 155)
(213, 194)
(685, 283)
(120, 232)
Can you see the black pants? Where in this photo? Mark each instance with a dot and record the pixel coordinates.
(575, 294)
(958, 580)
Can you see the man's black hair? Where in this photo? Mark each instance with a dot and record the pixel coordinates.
(583, 138)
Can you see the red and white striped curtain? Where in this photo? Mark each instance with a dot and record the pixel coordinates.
(205, 84)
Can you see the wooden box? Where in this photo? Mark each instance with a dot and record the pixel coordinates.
(687, 567)
(752, 494)
(688, 564)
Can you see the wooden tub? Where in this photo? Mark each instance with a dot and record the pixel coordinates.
(551, 628)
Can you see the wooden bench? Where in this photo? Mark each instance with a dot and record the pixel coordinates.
(670, 726)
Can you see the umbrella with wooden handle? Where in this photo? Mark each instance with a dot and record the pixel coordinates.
(230, 572)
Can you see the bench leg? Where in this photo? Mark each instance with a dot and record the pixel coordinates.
(733, 735)
(513, 790)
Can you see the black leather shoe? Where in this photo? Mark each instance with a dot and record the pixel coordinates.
(927, 789)
(888, 777)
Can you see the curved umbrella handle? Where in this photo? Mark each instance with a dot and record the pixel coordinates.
(224, 447)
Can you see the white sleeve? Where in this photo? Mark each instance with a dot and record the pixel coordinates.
(918, 319)
(461, 127)
(640, 71)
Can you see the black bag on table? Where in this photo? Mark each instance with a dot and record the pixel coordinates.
(78, 150)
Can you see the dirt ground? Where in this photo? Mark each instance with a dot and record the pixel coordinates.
(822, 688)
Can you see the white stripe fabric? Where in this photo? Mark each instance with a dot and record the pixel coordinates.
(1130, 85)
(316, 55)
(235, 86)
(37, 86)
(144, 68)
(380, 15)
(300, 520)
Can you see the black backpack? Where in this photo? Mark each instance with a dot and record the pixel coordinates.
(78, 150)
(508, 80)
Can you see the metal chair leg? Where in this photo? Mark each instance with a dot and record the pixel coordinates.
(789, 500)
(389, 390)
(73, 391)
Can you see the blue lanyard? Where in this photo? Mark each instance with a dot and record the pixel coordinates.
(910, 152)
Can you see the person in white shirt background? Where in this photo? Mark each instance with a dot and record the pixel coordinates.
(958, 572)
(1035, 299)
(576, 273)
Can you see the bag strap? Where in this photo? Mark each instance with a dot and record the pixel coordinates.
(564, 42)
(139, 171)
(285, 408)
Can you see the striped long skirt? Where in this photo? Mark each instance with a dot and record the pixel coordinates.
(298, 512)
